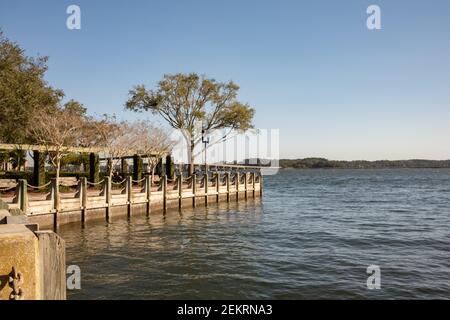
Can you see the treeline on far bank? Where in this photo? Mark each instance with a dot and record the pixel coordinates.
(322, 163)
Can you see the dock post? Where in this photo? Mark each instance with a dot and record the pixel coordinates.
(260, 184)
(194, 188)
(217, 186)
(227, 179)
(164, 188)
(107, 189)
(23, 195)
(83, 195)
(129, 192)
(56, 201)
(180, 190)
(52, 265)
(148, 190)
(253, 182)
(237, 177)
(206, 188)
(245, 184)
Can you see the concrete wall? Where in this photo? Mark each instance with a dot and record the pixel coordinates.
(19, 248)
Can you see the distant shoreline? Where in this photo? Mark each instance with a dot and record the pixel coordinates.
(322, 163)
(379, 168)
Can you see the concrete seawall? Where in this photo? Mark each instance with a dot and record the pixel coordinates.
(107, 199)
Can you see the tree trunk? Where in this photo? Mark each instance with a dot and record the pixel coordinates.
(191, 157)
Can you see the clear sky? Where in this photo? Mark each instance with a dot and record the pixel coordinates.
(310, 68)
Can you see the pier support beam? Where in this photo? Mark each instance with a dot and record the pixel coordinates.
(227, 176)
(148, 191)
(237, 178)
(164, 189)
(194, 189)
(206, 188)
(217, 186)
(129, 192)
(107, 190)
(180, 190)
(84, 198)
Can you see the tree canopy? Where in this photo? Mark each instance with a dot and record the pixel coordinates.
(185, 100)
(23, 90)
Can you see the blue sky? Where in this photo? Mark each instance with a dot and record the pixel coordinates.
(310, 68)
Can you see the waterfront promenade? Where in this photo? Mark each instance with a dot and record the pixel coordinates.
(71, 200)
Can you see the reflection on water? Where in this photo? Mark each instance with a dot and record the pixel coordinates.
(312, 236)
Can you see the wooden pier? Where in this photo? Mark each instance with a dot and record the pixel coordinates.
(71, 200)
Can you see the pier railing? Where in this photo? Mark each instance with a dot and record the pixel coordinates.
(68, 195)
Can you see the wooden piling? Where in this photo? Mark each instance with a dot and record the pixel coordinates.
(52, 262)
(217, 185)
(23, 195)
(253, 183)
(148, 191)
(107, 190)
(180, 190)
(206, 187)
(227, 177)
(84, 197)
(260, 184)
(237, 177)
(194, 188)
(56, 201)
(246, 184)
(164, 182)
(129, 192)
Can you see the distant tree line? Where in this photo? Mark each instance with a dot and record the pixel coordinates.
(322, 163)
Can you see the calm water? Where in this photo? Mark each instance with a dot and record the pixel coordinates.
(312, 236)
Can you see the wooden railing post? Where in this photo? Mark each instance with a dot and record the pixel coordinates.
(237, 177)
(83, 195)
(227, 179)
(148, 191)
(22, 193)
(107, 188)
(164, 188)
(217, 185)
(56, 201)
(180, 190)
(129, 192)
(245, 184)
(260, 184)
(253, 182)
(194, 188)
(206, 188)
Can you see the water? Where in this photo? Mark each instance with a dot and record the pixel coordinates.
(311, 237)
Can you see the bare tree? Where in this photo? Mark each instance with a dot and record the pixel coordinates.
(153, 142)
(116, 138)
(57, 131)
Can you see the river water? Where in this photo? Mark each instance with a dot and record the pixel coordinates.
(312, 236)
